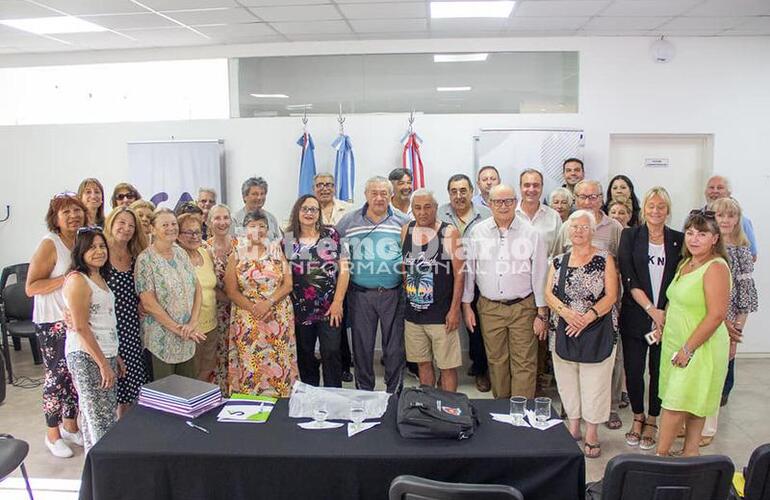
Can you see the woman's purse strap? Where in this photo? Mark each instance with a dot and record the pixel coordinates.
(563, 277)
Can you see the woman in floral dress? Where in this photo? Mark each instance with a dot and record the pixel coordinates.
(262, 352)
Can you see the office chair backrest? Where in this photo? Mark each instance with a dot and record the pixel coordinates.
(418, 488)
(758, 474)
(20, 270)
(639, 477)
(17, 305)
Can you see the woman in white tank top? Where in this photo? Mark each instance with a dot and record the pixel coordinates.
(44, 282)
(92, 342)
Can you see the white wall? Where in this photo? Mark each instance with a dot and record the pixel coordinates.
(713, 86)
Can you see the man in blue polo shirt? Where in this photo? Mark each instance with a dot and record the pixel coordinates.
(373, 236)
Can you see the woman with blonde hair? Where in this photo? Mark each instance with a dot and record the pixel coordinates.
(91, 193)
(124, 194)
(126, 241)
(143, 210)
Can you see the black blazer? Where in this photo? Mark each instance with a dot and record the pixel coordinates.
(632, 262)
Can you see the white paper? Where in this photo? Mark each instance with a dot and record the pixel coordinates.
(537, 425)
(312, 425)
(508, 419)
(353, 430)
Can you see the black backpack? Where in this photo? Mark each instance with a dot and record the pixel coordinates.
(426, 412)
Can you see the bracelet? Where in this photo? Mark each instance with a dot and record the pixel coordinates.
(687, 352)
(558, 309)
(648, 307)
(593, 310)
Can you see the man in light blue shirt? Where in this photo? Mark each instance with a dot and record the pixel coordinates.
(373, 236)
(487, 178)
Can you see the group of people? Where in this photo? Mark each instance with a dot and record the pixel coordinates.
(597, 283)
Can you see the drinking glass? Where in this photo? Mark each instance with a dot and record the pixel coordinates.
(357, 413)
(320, 411)
(542, 410)
(518, 403)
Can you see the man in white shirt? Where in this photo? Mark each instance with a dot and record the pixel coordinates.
(401, 201)
(254, 192)
(507, 259)
(543, 218)
(332, 209)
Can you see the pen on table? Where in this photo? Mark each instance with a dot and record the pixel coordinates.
(194, 426)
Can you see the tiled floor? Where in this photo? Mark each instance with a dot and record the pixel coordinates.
(742, 427)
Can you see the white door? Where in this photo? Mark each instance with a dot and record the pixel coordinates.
(679, 162)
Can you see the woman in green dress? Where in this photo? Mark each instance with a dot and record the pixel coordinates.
(693, 360)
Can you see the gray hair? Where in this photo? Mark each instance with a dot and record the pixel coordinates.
(560, 191)
(424, 192)
(218, 205)
(378, 179)
(589, 182)
(207, 190)
(724, 179)
(253, 182)
(584, 213)
(323, 175)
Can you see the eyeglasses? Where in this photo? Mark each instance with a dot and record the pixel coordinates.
(506, 201)
(309, 210)
(580, 227)
(708, 214)
(125, 196)
(591, 197)
(90, 229)
(192, 234)
(324, 185)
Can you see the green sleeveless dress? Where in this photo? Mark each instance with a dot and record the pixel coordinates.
(696, 388)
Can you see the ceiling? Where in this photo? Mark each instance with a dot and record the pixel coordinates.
(178, 23)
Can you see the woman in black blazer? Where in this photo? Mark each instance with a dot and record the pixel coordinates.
(648, 256)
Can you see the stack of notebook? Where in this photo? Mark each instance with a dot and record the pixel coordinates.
(180, 395)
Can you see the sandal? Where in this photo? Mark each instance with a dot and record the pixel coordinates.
(632, 437)
(705, 441)
(624, 401)
(614, 422)
(592, 450)
(648, 442)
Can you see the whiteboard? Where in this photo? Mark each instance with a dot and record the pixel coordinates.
(170, 172)
(514, 150)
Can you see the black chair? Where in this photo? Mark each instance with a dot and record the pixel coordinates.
(418, 488)
(12, 455)
(757, 475)
(16, 315)
(640, 477)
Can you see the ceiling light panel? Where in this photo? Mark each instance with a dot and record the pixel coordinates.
(442, 58)
(53, 25)
(444, 10)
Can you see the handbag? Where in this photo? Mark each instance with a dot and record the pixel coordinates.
(426, 412)
(595, 342)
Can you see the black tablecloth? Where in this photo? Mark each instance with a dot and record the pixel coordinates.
(153, 455)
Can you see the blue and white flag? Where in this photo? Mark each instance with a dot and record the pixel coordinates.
(306, 164)
(344, 168)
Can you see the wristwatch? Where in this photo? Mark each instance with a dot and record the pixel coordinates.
(543, 318)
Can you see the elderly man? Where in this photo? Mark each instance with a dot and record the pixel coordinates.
(464, 214)
(574, 172)
(401, 178)
(543, 218)
(433, 280)
(507, 259)
(588, 196)
(718, 186)
(254, 192)
(332, 209)
(487, 178)
(207, 198)
(375, 296)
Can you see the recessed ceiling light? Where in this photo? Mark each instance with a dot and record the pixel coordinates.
(299, 106)
(53, 25)
(270, 96)
(440, 58)
(471, 9)
(452, 89)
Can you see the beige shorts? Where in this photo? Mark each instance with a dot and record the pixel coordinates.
(431, 343)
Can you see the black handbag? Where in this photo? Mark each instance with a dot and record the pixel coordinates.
(426, 412)
(595, 342)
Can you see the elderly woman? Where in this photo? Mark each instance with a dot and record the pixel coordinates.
(221, 243)
(124, 195)
(696, 344)
(190, 233)
(92, 343)
(91, 193)
(648, 256)
(620, 211)
(581, 291)
(621, 189)
(47, 269)
(126, 241)
(171, 297)
(143, 210)
(561, 200)
(320, 276)
(263, 353)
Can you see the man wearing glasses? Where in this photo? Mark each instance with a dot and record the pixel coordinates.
(588, 196)
(332, 209)
(507, 260)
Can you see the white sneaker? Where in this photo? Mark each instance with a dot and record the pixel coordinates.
(59, 448)
(75, 438)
